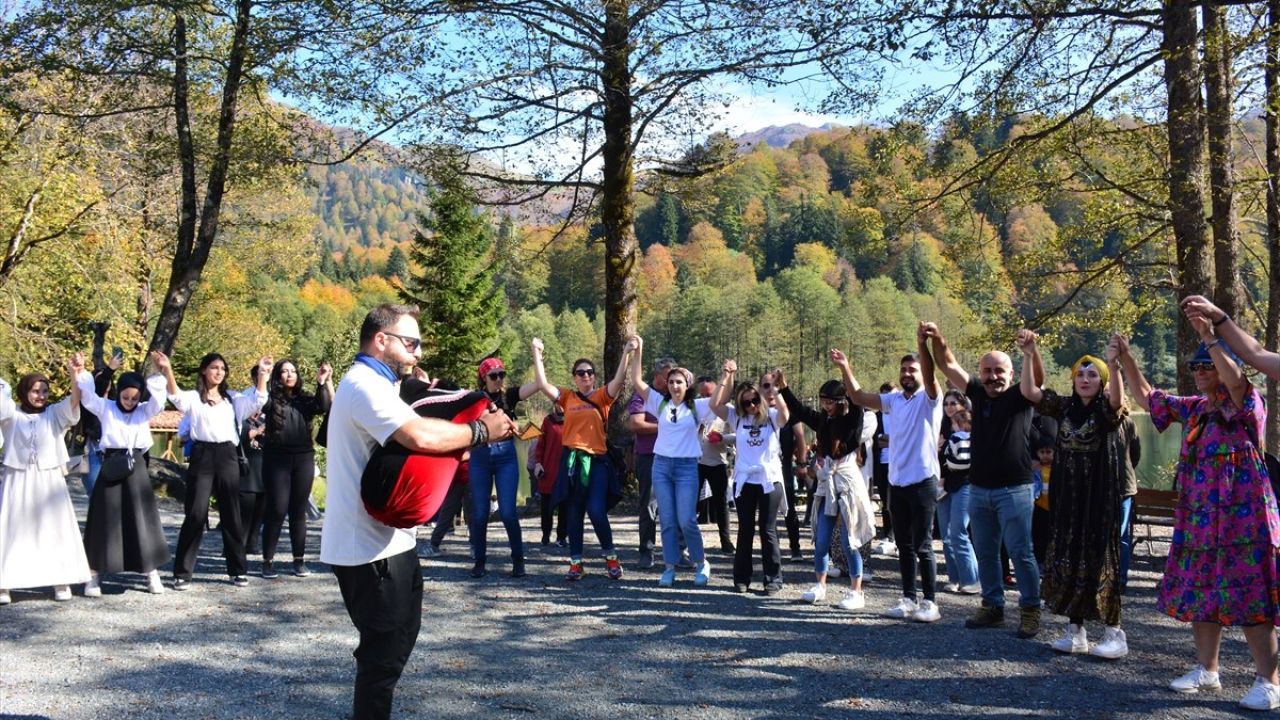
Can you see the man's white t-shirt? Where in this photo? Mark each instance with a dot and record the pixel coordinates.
(912, 424)
(366, 410)
(678, 425)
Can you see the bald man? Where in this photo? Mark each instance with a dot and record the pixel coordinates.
(1000, 496)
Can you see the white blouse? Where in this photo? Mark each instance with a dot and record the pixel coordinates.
(35, 438)
(217, 423)
(121, 430)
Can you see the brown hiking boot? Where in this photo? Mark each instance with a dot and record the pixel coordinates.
(1028, 622)
(986, 617)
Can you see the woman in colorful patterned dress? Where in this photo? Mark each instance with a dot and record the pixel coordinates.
(1222, 559)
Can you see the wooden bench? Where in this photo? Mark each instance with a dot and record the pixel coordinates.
(1153, 508)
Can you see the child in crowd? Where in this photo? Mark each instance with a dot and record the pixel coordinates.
(1040, 519)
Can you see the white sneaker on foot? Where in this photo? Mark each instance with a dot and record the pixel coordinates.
(1073, 640)
(93, 588)
(853, 600)
(62, 593)
(927, 612)
(5, 598)
(701, 577)
(973, 589)
(154, 585)
(903, 610)
(1113, 645)
(817, 593)
(1195, 680)
(1262, 696)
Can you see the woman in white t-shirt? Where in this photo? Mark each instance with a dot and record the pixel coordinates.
(675, 464)
(757, 476)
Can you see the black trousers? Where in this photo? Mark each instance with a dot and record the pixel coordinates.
(758, 513)
(717, 476)
(288, 478)
(384, 600)
(792, 519)
(253, 507)
(455, 501)
(912, 507)
(214, 469)
(880, 479)
(648, 503)
(549, 514)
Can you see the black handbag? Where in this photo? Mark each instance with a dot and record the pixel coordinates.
(116, 467)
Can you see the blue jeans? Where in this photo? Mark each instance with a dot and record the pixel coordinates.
(592, 500)
(822, 538)
(1126, 539)
(91, 450)
(495, 465)
(675, 485)
(953, 521)
(997, 514)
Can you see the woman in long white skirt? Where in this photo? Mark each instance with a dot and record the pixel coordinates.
(40, 543)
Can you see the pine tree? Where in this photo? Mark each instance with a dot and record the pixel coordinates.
(397, 264)
(454, 288)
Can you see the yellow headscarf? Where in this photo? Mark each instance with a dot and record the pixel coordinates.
(1098, 363)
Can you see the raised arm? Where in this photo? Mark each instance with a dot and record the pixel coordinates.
(75, 366)
(7, 407)
(802, 412)
(1030, 355)
(324, 387)
(1133, 374)
(637, 367)
(165, 368)
(945, 359)
(1115, 381)
(620, 374)
(927, 369)
(1229, 372)
(720, 398)
(89, 398)
(851, 387)
(1244, 344)
(540, 372)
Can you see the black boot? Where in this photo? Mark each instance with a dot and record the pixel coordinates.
(477, 570)
(517, 566)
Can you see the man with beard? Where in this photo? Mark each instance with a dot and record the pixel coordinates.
(1000, 496)
(913, 419)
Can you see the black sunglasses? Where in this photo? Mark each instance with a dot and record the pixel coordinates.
(1205, 366)
(673, 414)
(584, 372)
(500, 375)
(751, 402)
(410, 343)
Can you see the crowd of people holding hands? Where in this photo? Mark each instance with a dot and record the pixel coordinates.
(970, 459)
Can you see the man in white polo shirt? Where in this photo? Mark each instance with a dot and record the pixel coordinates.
(376, 565)
(913, 419)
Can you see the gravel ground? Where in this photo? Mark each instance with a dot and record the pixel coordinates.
(539, 647)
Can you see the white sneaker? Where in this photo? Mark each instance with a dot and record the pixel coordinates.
(927, 612)
(1073, 640)
(1195, 680)
(154, 585)
(1262, 696)
(887, 548)
(903, 610)
(5, 598)
(62, 593)
(952, 587)
(1113, 645)
(834, 572)
(701, 577)
(973, 589)
(93, 588)
(853, 600)
(817, 593)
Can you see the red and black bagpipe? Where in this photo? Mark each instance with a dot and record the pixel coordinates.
(404, 489)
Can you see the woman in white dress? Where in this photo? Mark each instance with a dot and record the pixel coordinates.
(39, 537)
(123, 530)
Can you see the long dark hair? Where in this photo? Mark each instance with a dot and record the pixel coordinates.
(280, 397)
(205, 362)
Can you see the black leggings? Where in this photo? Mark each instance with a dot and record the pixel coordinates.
(548, 513)
(288, 478)
(214, 469)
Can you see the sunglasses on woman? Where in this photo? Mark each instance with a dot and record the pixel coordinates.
(500, 375)
(750, 402)
(584, 372)
(1200, 366)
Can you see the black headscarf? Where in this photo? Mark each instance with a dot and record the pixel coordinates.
(132, 380)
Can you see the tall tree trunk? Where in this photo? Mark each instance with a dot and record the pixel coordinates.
(1226, 235)
(617, 203)
(1273, 209)
(196, 233)
(1186, 166)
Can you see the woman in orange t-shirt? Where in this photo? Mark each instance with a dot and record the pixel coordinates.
(584, 477)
